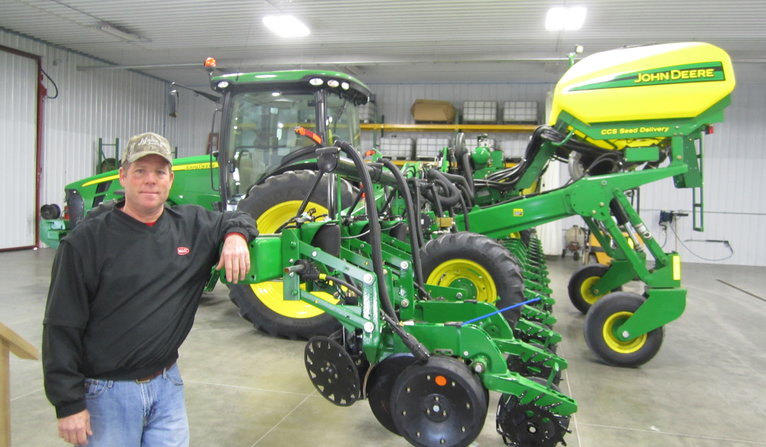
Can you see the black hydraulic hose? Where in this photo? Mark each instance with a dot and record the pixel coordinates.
(416, 197)
(434, 194)
(374, 224)
(387, 203)
(462, 185)
(356, 202)
(299, 154)
(344, 283)
(466, 208)
(439, 178)
(468, 172)
(308, 196)
(465, 215)
(610, 160)
(466, 194)
(410, 209)
(509, 177)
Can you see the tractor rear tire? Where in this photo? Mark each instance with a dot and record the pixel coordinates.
(271, 204)
(478, 264)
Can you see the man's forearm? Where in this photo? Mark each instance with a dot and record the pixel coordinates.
(64, 382)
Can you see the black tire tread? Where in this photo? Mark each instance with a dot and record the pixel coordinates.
(594, 323)
(290, 185)
(575, 284)
(488, 253)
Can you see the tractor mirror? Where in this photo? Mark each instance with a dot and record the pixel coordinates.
(173, 102)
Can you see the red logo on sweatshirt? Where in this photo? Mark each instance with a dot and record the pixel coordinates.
(183, 251)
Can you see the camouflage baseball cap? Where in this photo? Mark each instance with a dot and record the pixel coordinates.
(144, 144)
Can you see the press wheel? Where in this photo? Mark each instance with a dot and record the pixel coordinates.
(438, 403)
(379, 384)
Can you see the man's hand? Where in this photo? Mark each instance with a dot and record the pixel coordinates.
(75, 429)
(235, 258)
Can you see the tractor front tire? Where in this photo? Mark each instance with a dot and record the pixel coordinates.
(478, 264)
(272, 203)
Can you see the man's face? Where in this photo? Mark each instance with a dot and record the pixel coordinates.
(147, 182)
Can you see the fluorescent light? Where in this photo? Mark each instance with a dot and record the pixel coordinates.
(285, 25)
(565, 18)
(119, 33)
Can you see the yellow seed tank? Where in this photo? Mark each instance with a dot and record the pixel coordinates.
(646, 88)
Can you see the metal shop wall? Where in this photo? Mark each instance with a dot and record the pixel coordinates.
(18, 148)
(734, 175)
(102, 103)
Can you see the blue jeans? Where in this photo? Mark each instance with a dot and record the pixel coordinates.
(125, 413)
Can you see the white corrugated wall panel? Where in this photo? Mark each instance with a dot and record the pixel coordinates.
(394, 100)
(18, 149)
(103, 103)
(734, 199)
(189, 130)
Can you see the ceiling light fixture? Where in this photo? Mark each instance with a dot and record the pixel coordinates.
(565, 18)
(285, 25)
(114, 31)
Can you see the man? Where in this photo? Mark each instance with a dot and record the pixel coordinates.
(125, 286)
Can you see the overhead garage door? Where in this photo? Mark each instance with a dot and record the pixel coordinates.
(18, 150)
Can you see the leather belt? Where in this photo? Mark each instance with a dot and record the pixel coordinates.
(155, 374)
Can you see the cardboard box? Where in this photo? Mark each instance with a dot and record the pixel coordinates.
(432, 111)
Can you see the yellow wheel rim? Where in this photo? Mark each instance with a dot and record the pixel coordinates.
(271, 293)
(609, 332)
(467, 275)
(274, 217)
(586, 290)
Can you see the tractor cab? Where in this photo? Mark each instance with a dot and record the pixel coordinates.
(267, 116)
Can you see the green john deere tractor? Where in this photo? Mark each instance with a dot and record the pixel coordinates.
(260, 112)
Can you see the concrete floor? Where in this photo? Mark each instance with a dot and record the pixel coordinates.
(705, 388)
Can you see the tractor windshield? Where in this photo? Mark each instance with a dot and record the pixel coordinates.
(261, 131)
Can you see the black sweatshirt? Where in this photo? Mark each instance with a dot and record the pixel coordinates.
(123, 295)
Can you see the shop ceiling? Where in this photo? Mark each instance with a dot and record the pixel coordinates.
(380, 41)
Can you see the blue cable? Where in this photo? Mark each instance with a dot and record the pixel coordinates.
(501, 311)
